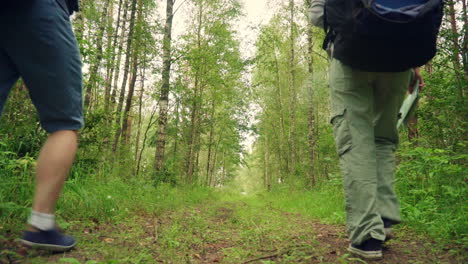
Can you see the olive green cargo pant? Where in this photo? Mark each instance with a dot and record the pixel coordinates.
(365, 109)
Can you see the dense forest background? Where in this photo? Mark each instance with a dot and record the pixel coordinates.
(196, 110)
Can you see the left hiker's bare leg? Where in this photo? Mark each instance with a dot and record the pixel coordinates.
(54, 162)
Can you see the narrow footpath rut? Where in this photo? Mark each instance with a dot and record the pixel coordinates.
(221, 232)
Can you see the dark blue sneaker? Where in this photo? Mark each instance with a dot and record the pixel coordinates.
(388, 228)
(369, 249)
(49, 240)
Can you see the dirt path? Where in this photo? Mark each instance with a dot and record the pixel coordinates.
(221, 232)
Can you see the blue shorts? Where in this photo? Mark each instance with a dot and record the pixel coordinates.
(37, 44)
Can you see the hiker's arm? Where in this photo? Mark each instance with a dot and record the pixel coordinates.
(417, 77)
(316, 12)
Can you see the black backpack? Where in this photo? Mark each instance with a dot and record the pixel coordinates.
(368, 40)
(69, 6)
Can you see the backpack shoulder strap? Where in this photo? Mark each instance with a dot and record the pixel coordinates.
(330, 34)
(69, 5)
(64, 5)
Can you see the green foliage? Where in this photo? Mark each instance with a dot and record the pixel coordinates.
(16, 179)
(20, 129)
(432, 184)
(90, 198)
(209, 104)
(325, 202)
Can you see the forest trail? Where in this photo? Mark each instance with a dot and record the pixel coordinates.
(235, 230)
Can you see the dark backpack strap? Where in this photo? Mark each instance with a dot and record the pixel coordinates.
(330, 35)
(69, 6)
(64, 5)
(73, 5)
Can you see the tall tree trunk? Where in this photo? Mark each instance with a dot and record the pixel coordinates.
(292, 90)
(281, 112)
(192, 136)
(125, 76)
(145, 137)
(128, 104)
(224, 172)
(127, 119)
(310, 83)
(266, 164)
(197, 156)
(93, 73)
(194, 116)
(121, 40)
(456, 48)
(111, 42)
(210, 143)
(176, 133)
(212, 181)
(464, 49)
(165, 87)
(140, 106)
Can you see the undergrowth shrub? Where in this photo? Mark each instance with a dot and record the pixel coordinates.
(16, 181)
(432, 188)
(99, 194)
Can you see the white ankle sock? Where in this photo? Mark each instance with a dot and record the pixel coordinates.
(42, 221)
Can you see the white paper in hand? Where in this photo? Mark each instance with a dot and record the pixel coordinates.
(408, 105)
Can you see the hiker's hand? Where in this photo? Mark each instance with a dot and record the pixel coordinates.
(417, 77)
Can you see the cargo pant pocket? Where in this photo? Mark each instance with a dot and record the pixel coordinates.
(341, 132)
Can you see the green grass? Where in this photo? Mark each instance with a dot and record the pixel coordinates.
(120, 197)
(99, 201)
(325, 202)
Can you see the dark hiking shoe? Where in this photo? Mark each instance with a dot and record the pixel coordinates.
(52, 240)
(388, 233)
(369, 249)
(388, 229)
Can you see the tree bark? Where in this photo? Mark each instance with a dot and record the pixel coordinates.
(145, 137)
(119, 58)
(210, 143)
(464, 49)
(127, 119)
(266, 164)
(128, 105)
(125, 76)
(93, 73)
(111, 42)
(456, 48)
(212, 181)
(165, 87)
(292, 90)
(140, 106)
(310, 63)
(194, 116)
(281, 113)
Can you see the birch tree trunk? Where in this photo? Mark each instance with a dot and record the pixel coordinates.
(310, 84)
(165, 87)
(140, 105)
(119, 57)
(127, 118)
(210, 144)
(456, 47)
(111, 42)
(266, 164)
(286, 156)
(194, 116)
(292, 90)
(93, 74)
(464, 49)
(125, 76)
